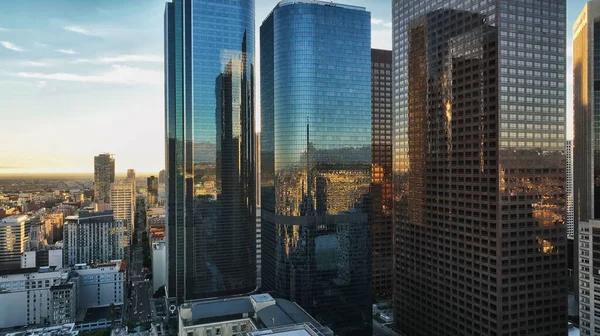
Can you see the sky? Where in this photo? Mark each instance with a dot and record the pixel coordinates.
(82, 77)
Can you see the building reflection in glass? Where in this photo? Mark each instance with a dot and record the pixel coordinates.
(316, 161)
(211, 210)
(480, 209)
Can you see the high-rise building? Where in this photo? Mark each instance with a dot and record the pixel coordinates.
(93, 237)
(316, 160)
(209, 98)
(131, 178)
(381, 174)
(586, 164)
(162, 177)
(122, 202)
(152, 191)
(104, 177)
(479, 167)
(13, 239)
(569, 190)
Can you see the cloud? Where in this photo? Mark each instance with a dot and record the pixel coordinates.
(35, 64)
(118, 74)
(2, 29)
(80, 30)
(123, 59)
(67, 51)
(40, 44)
(10, 46)
(41, 84)
(380, 22)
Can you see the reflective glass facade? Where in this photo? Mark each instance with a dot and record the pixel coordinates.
(381, 190)
(316, 161)
(211, 181)
(479, 167)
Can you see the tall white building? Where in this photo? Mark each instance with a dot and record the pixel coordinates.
(31, 296)
(93, 237)
(122, 202)
(569, 191)
(99, 286)
(13, 238)
(159, 264)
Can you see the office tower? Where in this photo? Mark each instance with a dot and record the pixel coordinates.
(586, 164)
(316, 160)
(162, 176)
(152, 191)
(122, 202)
(381, 174)
(13, 239)
(131, 174)
(131, 178)
(569, 190)
(479, 164)
(258, 213)
(104, 177)
(209, 98)
(93, 237)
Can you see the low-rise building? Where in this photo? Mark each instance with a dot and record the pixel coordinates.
(240, 316)
(35, 296)
(99, 285)
(50, 256)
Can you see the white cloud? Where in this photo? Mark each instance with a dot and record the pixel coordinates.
(41, 84)
(2, 29)
(40, 44)
(10, 46)
(380, 22)
(118, 74)
(35, 64)
(123, 59)
(67, 51)
(80, 30)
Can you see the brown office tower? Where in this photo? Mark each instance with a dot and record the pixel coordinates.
(381, 173)
(479, 169)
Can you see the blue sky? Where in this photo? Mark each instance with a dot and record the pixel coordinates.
(80, 77)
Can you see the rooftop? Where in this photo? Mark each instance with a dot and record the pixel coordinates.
(319, 2)
(61, 330)
(14, 219)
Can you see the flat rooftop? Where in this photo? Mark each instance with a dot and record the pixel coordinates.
(319, 2)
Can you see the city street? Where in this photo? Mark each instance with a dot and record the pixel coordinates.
(138, 303)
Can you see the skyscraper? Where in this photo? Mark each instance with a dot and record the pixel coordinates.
(586, 163)
(316, 160)
(104, 177)
(569, 190)
(211, 207)
(479, 167)
(131, 178)
(381, 189)
(122, 202)
(152, 191)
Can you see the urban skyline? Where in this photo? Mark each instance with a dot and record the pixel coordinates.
(102, 41)
(431, 188)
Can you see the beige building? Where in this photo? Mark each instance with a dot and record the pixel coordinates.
(122, 202)
(13, 239)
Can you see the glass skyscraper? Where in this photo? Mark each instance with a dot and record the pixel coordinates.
(209, 97)
(316, 160)
(479, 167)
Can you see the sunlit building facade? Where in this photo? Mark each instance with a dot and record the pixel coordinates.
(152, 191)
(479, 167)
(586, 162)
(209, 96)
(316, 160)
(13, 240)
(104, 177)
(122, 202)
